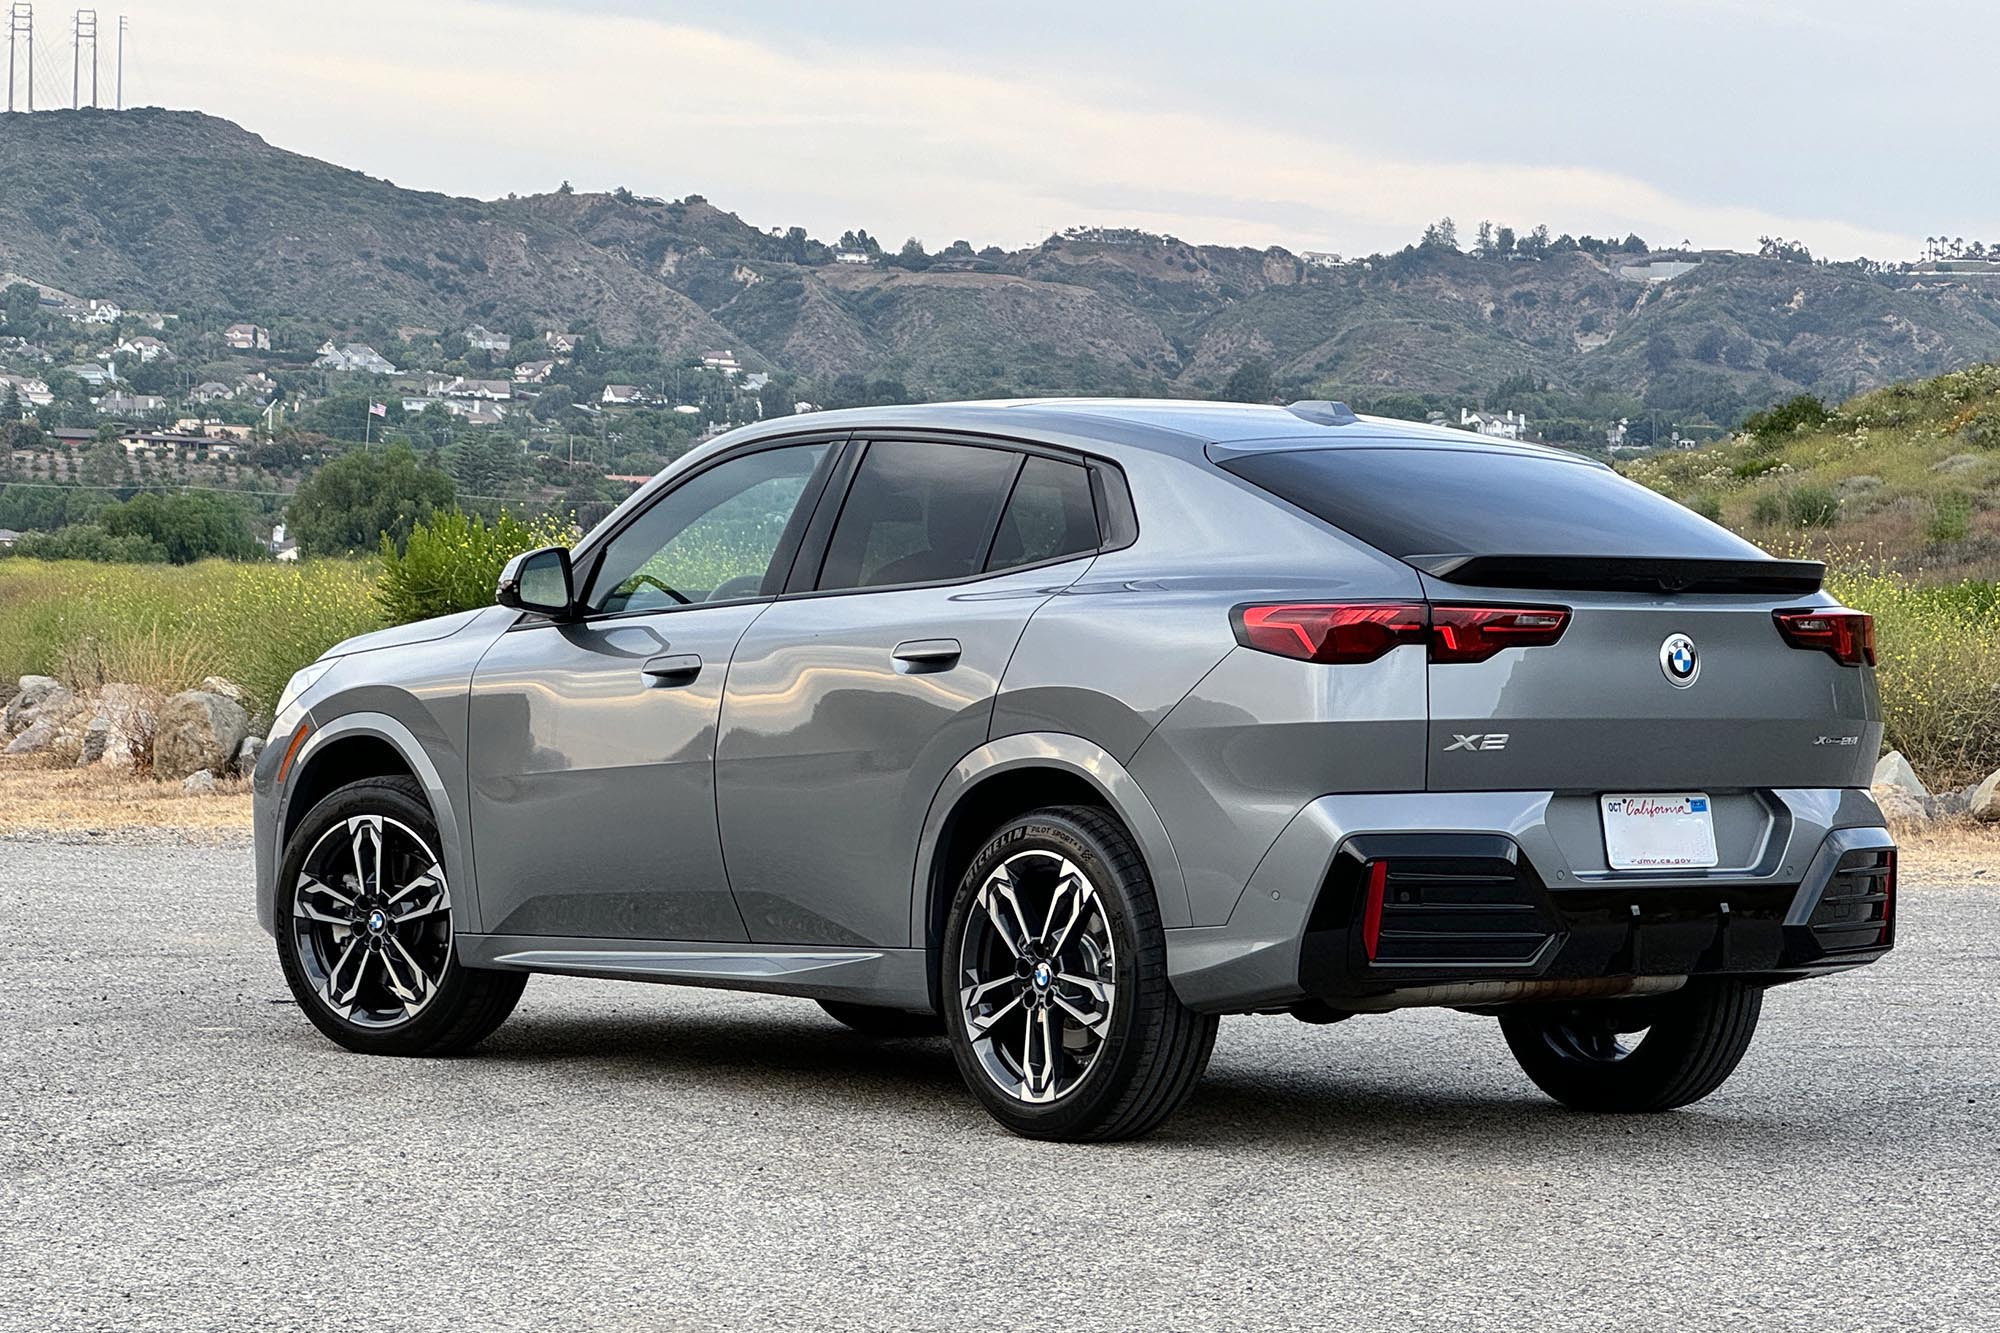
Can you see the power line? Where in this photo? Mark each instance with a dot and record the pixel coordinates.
(216, 490)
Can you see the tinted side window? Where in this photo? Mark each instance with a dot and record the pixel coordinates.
(917, 512)
(709, 540)
(1049, 515)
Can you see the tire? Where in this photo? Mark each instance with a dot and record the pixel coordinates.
(1692, 1045)
(872, 1020)
(406, 992)
(1119, 1052)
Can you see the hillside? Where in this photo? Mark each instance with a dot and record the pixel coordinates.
(187, 213)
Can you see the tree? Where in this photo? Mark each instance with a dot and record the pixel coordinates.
(186, 527)
(350, 503)
(1440, 235)
(1482, 244)
(1252, 383)
(1503, 241)
(101, 464)
(1536, 243)
(1661, 353)
(10, 406)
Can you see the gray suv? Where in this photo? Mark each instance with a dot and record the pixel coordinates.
(1063, 728)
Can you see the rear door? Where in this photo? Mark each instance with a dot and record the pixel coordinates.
(849, 704)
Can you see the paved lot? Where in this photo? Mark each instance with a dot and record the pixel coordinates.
(178, 1147)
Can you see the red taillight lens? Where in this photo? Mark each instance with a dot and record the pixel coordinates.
(1475, 633)
(1354, 632)
(1330, 632)
(1848, 637)
(1371, 907)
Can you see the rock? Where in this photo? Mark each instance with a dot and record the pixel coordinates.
(197, 730)
(120, 728)
(199, 783)
(247, 755)
(38, 735)
(217, 685)
(1955, 802)
(1894, 771)
(40, 696)
(1985, 800)
(1898, 804)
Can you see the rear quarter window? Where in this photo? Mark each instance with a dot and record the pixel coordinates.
(1413, 501)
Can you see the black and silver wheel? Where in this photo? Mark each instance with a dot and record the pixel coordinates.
(1636, 1055)
(364, 928)
(1055, 984)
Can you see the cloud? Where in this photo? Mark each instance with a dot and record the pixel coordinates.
(483, 99)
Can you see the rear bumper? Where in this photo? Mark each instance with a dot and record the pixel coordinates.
(1502, 897)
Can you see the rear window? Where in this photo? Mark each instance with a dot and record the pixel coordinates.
(1409, 502)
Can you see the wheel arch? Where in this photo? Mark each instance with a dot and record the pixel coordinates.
(355, 746)
(1015, 774)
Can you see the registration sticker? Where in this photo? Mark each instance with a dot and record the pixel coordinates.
(1658, 831)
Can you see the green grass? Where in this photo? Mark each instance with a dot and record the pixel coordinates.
(169, 626)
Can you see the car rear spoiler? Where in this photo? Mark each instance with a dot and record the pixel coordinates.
(1625, 573)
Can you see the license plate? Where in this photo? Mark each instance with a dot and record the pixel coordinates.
(1659, 831)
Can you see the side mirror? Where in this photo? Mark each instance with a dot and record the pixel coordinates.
(538, 581)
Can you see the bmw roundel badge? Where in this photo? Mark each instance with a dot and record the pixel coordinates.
(1679, 662)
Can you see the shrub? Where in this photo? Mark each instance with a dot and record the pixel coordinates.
(88, 541)
(453, 559)
(1802, 413)
(1983, 430)
(1951, 518)
(1708, 506)
(1768, 510)
(1812, 507)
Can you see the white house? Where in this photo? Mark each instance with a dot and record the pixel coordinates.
(687, 409)
(98, 312)
(33, 392)
(534, 372)
(355, 357)
(623, 395)
(850, 257)
(214, 391)
(96, 376)
(146, 347)
(247, 338)
(724, 361)
(1511, 426)
(498, 391)
(563, 344)
(283, 546)
(1321, 258)
(752, 383)
(488, 341)
(129, 405)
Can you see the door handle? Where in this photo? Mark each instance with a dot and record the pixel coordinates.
(673, 668)
(928, 654)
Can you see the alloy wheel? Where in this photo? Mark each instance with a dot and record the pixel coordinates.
(1037, 968)
(371, 919)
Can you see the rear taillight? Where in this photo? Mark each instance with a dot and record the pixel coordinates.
(1354, 632)
(1371, 908)
(1330, 632)
(1475, 633)
(1848, 637)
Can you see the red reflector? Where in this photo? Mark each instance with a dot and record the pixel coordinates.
(1848, 637)
(1888, 898)
(1371, 912)
(1330, 632)
(1475, 633)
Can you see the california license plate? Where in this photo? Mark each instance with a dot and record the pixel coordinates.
(1658, 832)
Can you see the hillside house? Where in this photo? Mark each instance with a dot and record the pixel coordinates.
(724, 361)
(247, 338)
(497, 391)
(130, 405)
(851, 257)
(8, 537)
(96, 312)
(146, 347)
(283, 546)
(476, 414)
(213, 391)
(33, 392)
(92, 374)
(354, 358)
(563, 344)
(486, 340)
(259, 385)
(534, 372)
(1494, 426)
(755, 382)
(623, 395)
(1321, 259)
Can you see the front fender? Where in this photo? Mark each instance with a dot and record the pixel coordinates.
(1073, 755)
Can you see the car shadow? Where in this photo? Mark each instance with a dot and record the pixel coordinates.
(1296, 1104)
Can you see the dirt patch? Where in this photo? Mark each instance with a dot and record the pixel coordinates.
(1948, 851)
(45, 798)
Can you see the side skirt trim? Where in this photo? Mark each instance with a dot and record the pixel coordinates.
(896, 978)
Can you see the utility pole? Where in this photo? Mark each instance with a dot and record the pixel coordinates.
(83, 28)
(121, 62)
(21, 35)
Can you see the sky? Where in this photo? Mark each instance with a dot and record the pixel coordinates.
(1856, 128)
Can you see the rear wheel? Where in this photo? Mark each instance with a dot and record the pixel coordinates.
(364, 926)
(1055, 986)
(1636, 1055)
(873, 1020)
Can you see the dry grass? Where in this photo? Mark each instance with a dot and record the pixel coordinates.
(1948, 851)
(43, 798)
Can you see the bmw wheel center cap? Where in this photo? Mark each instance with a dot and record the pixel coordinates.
(1679, 661)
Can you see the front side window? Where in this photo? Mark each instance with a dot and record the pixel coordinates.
(918, 513)
(711, 539)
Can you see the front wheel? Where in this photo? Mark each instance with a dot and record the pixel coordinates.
(364, 925)
(1055, 985)
(1636, 1055)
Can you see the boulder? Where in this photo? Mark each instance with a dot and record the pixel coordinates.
(199, 783)
(39, 696)
(1894, 771)
(1899, 805)
(1985, 802)
(247, 755)
(39, 735)
(196, 730)
(217, 685)
(1957, 801)
(120, 727)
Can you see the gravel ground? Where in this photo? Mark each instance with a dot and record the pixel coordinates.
(178, 1147)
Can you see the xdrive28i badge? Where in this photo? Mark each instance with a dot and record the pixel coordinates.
(1679, 662)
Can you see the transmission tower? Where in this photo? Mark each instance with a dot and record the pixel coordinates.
(21, 34)
(121, 62)
(85, 31)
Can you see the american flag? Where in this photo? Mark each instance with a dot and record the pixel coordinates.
(378, 409)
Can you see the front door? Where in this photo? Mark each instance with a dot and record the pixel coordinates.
(592, 744)
(848, 705)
